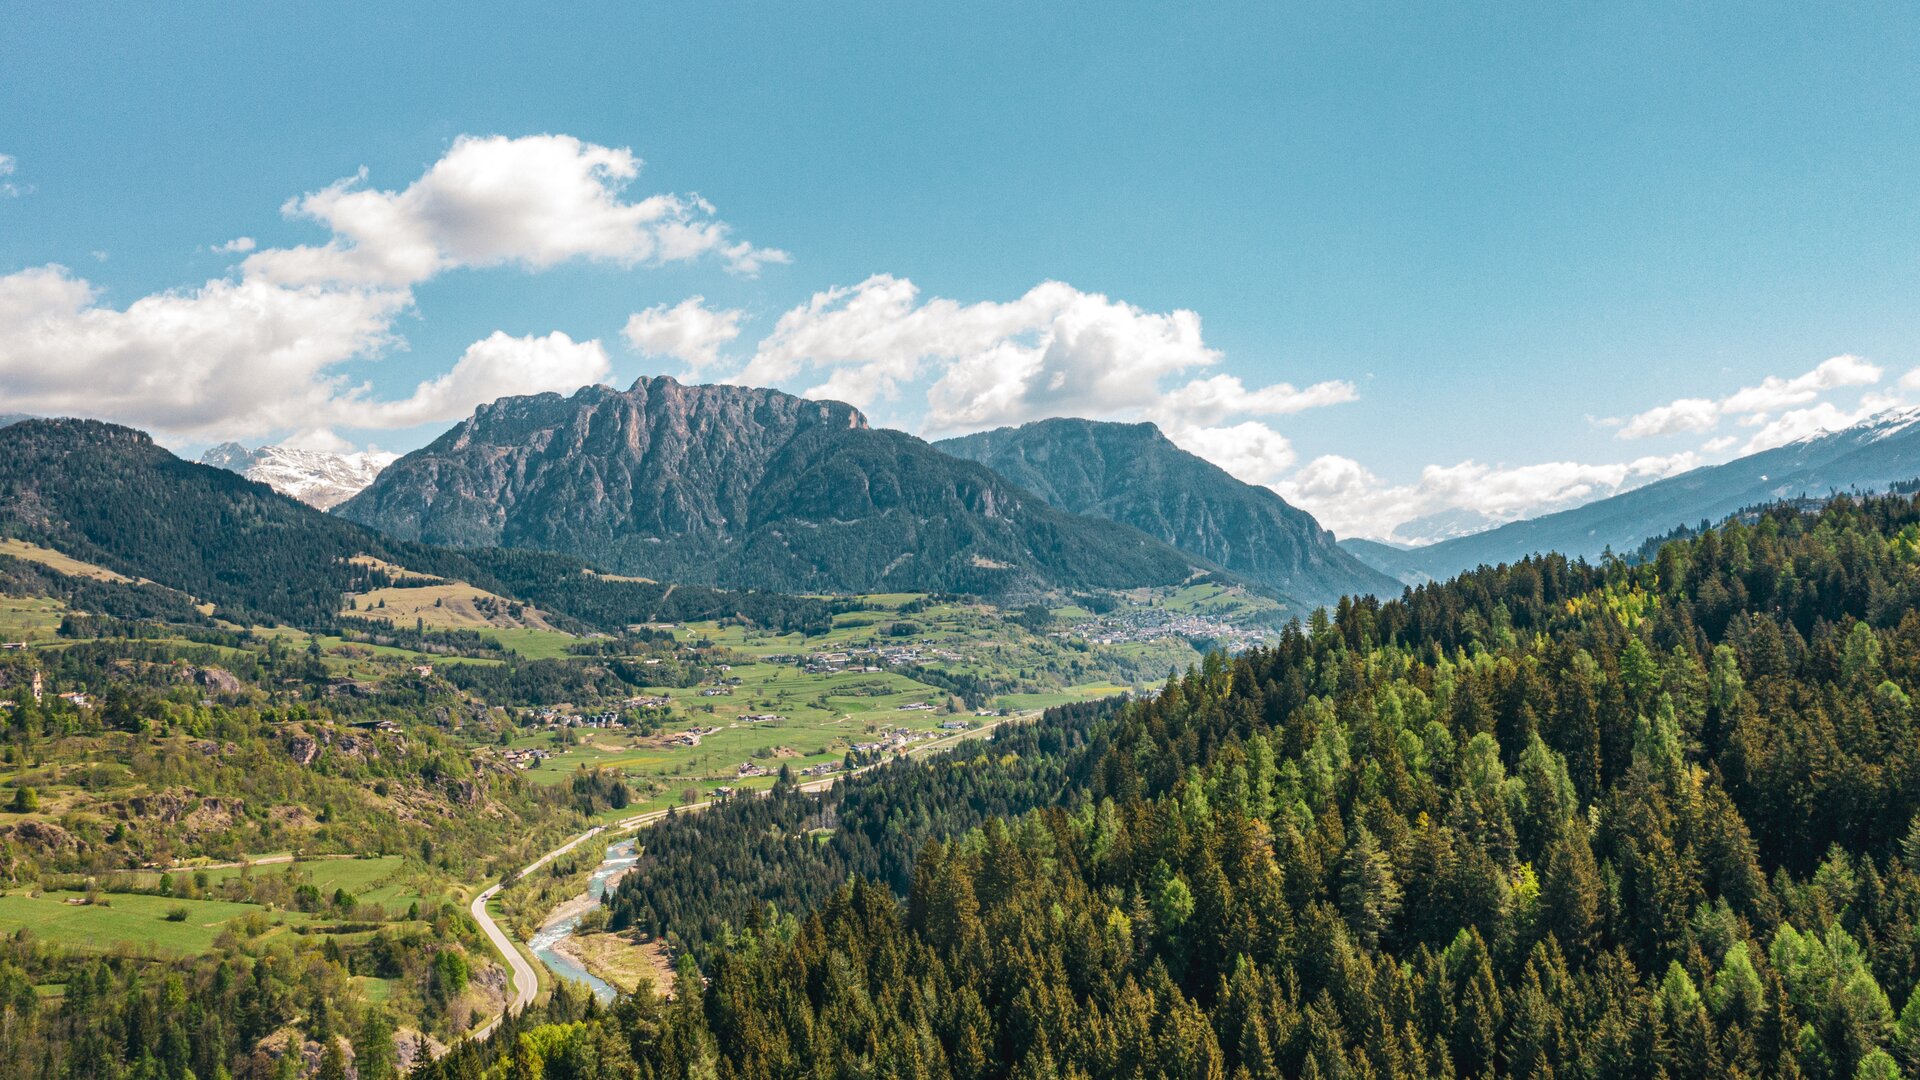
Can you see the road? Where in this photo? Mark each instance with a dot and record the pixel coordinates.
(526, 982)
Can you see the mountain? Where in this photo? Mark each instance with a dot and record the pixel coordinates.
(315, 477)
(1400, 563)
(746, 488)
(1870, 456)
(1135, 475)
(111, 497)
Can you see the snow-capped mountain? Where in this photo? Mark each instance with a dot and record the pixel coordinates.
(1870, 456)
(315, 477)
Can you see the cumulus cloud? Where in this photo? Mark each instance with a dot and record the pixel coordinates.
(494, 367)
(261, 351)
(1053, 351)
(1755, 404)
(9, 189)
(1686, 414)
(228, 359)
(1349, 499)
(535, 202)
(689, 331)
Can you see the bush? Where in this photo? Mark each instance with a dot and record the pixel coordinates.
(25, 801)
(178, 914)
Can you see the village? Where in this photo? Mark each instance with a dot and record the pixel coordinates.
(1140, 624)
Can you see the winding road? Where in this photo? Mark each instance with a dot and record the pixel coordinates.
(526, 982)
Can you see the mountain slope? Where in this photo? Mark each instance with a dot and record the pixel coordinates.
(315, 477)
(109, 496)
(744, 487)
(1869, 456)
(1135, 475)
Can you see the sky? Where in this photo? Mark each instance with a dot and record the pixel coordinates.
(1411, 265)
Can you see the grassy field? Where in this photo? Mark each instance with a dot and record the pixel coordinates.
(54, 560)
(128, 920)
(29, 618)
(455, 605)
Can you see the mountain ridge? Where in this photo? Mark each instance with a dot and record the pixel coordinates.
(1868, 456)
(745, 487)
(1133, 474)
(318, 478)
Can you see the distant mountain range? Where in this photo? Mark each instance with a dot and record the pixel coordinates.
(315, 477)
(747, 488)
(1869, 456)
(110, 496)
(1135, 475)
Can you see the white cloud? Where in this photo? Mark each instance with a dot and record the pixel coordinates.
(227, 359)
(322, 440)
(688, 331)
(535, 202)
(1054, 351)
(237, 358)
(1771, 395)
(9, 189)
(1352, 501)
(1800, 423)
(1686, 414)
(1249, 450)
(1775, 393)
(494, 367)
(1207, 401)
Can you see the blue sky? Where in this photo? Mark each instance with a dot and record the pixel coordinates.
(1449, 254)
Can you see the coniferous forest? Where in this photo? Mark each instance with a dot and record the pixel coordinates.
(1550, 819)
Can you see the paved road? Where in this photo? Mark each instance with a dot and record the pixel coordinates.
(525, 981)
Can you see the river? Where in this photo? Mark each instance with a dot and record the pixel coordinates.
(619, 857)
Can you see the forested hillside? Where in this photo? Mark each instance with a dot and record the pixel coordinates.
(109, 495)
(1545, 820)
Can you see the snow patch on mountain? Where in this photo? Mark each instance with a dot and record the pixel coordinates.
(315, 477)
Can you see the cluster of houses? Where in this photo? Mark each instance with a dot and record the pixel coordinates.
(1155, 624)
(647, 701)
(553, 719)
(870, 658)
(893, 739)
(691, 736)
(528, 758)
(761, 718)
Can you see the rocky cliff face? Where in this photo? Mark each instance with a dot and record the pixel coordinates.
(1133, 474)
(746, 487)
(315, 477)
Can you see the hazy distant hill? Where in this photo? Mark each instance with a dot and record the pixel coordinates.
(1135, 475)
(1869, 456)
(745, 487)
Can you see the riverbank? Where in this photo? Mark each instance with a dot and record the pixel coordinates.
(620, 962)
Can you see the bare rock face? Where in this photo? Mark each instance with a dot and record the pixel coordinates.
(43, 836)
(218, 680)
(320, 479)
(730, 485)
